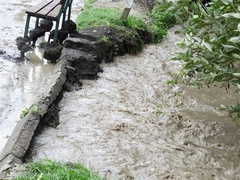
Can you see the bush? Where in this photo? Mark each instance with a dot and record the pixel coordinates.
(162, 19)
(212, 44)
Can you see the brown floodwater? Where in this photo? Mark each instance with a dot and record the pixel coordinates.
(130, 124)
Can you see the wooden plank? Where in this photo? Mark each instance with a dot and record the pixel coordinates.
(47, 9)
(54, 13)
(126, 10)
(125, 13)
(38, 7)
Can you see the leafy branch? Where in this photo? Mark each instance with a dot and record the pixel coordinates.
(211, 43)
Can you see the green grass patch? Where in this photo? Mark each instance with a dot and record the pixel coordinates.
(93, 17)
(160, 21)
(51, 170)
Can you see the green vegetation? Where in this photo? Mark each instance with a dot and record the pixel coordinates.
(50, 170)
(105, 39)
(162, 18)
(24, 112)
(92, 17)
(159, 20)
(211, 44)
(33, 108)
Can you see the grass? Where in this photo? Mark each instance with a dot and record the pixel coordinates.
(160, 20)
(52, 170)
(93, 17)
(105, 39)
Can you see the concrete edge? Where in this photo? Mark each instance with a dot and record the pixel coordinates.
(19, 141)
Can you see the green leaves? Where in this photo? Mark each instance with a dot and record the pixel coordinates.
(235, 39)
(226, 2)
(162, 18)
(207, 45)
(24, 112)
(236, 75)
(179, 19)
(235, 15)
(212, 42)
(33, 108)
(234, 111)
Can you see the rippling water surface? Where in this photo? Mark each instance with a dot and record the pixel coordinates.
(130, 124)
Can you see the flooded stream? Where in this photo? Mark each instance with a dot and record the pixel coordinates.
(128, 124)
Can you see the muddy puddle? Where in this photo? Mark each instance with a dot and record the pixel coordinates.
(129, 124)
(23, 80)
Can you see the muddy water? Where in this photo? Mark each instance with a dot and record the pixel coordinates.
(22, 80)
(130, 124)
(114, 124)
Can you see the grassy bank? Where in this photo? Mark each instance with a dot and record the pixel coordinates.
(159, 21)
(51, 170)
